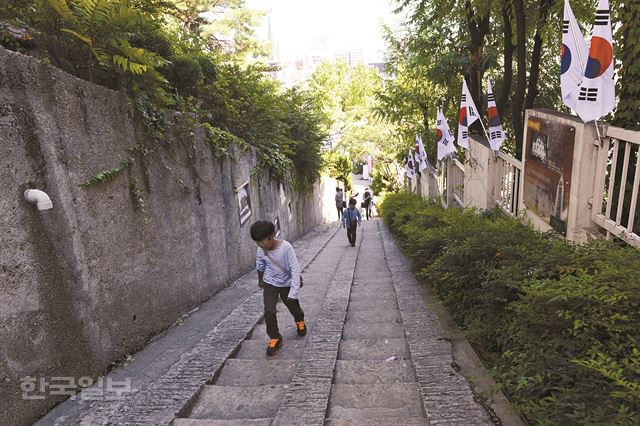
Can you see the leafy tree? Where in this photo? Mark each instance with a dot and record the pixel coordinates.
(224, 26)
(339, 167)
(512, 41)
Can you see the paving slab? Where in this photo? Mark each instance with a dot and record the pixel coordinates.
(372, 316)
(209, 422)
(406, 421)
(370, 277)
(287, 331)
(373, 288)
(375, 401)
(364, 330)
(256, 349)
(374, 298)
(383, 302)
(256, 372)
(377, 279)
(373, 372)
(372, 349)
(234, 403)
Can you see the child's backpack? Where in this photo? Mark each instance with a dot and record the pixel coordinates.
(353, 222)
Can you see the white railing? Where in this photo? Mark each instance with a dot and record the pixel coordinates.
(455, 182)
(508, 175)
(614, 203)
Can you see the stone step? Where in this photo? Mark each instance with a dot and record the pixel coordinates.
(209, 422)
(372, 349)
(234, 403)
(409, 421)
(372, 297)
(374, 316)
(254, 372)
(363, 276)
(380, 278)
(364, 289)
(288, 331)
(375, 401)
(365, 330)
(256, 349)
(382, 302)
(286, 325)
(363, 372)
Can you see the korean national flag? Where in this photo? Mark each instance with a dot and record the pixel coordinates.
(574, 58)
(421, 154)
(496, 134)
(467, 116)
(597, 95)
(445, 138)
(411, 173)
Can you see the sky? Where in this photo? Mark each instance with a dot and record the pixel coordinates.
(341, 25)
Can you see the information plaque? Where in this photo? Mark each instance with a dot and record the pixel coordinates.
(547, 171)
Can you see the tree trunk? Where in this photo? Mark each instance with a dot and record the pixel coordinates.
(429, 147)
(503, 100)
(517, 102)
(628, 87)
(534, 70)
(478, 29)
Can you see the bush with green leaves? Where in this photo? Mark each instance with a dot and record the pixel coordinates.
(557, 323)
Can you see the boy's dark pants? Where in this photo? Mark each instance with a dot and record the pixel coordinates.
(351, 235)
(339, 212)
(270, 295)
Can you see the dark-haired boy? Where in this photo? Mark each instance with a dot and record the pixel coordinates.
(278, 276)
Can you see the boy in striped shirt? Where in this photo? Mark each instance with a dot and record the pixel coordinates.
(278, 276)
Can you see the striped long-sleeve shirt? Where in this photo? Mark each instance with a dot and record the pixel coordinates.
(286, 257)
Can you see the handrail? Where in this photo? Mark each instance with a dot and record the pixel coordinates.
(512, 160)
(614, 207)
(623, 134)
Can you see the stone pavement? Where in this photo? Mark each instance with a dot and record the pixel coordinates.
(373, 354)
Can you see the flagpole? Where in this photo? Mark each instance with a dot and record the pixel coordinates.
(575, 40)
(487, 136)
(580, 60)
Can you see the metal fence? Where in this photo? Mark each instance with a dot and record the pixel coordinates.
(615, 193)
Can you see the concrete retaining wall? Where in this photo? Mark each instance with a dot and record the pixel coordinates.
(94, 278)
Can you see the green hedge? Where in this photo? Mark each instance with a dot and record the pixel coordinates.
(557, 323)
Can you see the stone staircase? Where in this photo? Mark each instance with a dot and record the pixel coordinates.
(366, 377)
(374, 354)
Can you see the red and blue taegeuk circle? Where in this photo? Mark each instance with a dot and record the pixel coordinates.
(600, 57)
(462, 116)
(494, 117)
(565, 62)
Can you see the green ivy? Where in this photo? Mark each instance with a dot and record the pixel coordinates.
(108, 175)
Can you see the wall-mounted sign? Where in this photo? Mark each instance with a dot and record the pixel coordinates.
(547, 171)
(244, 202)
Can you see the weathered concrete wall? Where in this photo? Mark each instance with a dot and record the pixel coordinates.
(91, 280)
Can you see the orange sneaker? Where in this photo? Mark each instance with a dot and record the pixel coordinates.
(302, 329)
(274, 346)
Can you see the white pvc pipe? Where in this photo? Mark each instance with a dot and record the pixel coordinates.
(40, 198)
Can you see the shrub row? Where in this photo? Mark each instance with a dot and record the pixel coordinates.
(558, 324)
